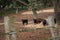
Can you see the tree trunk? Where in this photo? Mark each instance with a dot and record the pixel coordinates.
(32, 8)
(35, 14)
(57, 11)
(17, 10)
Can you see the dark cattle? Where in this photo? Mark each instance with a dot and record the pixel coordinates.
(55, 20)
(39, 20)
(44, 22)
(36, 21)
(24, 21)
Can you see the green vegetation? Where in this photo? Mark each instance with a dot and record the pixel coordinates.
(10, 6)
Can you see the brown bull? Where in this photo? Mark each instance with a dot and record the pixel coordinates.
(36, 21)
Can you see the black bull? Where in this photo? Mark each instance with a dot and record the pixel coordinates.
(44, 22)
(36, 21)
(25, 21)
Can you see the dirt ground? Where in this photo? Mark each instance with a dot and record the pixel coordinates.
(40, 34)
(36, 35)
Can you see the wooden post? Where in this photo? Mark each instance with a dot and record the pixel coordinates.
(6, 19)
(52, 28)
(8, 28)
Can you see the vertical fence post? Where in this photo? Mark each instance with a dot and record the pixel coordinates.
(10, 28)
(6, 19)
(52, 27)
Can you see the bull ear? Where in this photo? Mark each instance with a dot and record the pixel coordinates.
(44, 22)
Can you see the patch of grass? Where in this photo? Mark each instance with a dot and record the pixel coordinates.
(27, 30)
(32, 30)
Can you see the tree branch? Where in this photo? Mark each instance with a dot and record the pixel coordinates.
(22, 2)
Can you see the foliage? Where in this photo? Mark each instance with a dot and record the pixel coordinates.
(4, 3)
(35, 4)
